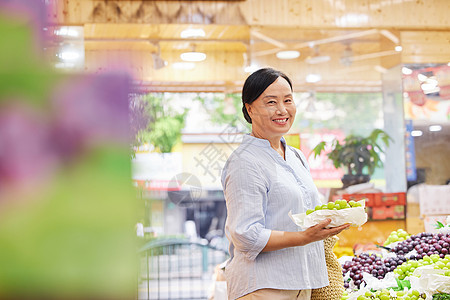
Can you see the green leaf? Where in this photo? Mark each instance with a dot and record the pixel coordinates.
(439, 225)
(317, 150)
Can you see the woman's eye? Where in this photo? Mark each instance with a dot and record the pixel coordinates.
(288, 100)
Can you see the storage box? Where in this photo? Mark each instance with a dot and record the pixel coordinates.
(389, 199)
(394, 212)
(369, 198)
(399, 212)
(382, 212)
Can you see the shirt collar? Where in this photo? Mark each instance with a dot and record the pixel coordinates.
(249, 139)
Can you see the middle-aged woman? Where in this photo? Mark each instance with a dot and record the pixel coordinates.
(264, 179)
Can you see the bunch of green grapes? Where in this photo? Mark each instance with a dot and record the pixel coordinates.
(385, 295)
(336, 205)
(397, 236)
(408, 267)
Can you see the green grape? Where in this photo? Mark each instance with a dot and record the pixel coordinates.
(336, 205)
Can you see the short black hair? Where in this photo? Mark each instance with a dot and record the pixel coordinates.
(256, 84)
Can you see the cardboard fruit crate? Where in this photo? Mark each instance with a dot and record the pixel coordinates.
(382, 212)
(394, 212)
(399, 212)
(369, 197)
(390, 199)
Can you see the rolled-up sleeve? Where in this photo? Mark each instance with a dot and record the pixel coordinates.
(245, 191)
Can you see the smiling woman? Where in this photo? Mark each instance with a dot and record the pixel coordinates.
(263, 180)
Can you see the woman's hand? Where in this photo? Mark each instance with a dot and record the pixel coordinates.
(320, 232)
(283, 239)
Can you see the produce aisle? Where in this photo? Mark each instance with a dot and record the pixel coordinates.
(404, 266)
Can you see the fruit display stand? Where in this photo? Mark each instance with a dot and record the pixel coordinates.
(406, 267)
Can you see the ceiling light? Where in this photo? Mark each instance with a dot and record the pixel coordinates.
(353, 19)
(192, 33)
(406, 71)
(193, 56)
(69, 31)
(250, 69)
(69, 55)
(398, 48)
(183, 65)
(288, 54)
(416, 133)
(435, 128)
(312, 78)
(317, 59)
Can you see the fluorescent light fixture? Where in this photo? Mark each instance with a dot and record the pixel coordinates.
(288, 54)
(66, 31)
(352, 19)
(312, 78)
(398, 48)
(183, 65)
(193, 56)
(69, 55)
(312, 60)
(406, 71)
(422, 77)
(416, 133)
(250, 69)
(435, 128)
(192, 33)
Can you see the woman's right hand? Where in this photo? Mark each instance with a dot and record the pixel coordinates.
(320, 232)
(283, 239)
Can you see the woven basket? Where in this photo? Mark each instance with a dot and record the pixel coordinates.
(335, 289)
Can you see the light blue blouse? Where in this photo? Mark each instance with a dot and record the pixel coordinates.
(260, 189)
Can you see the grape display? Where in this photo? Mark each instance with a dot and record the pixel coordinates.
(371, 264)
(425, 244)
(384, 294)
(407, 268)
(397, 236)
(411, 252)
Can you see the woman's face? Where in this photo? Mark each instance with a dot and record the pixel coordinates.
(273, 112)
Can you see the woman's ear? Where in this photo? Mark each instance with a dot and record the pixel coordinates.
(249, 108)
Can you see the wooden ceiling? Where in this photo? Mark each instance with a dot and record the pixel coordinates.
(358, 36)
